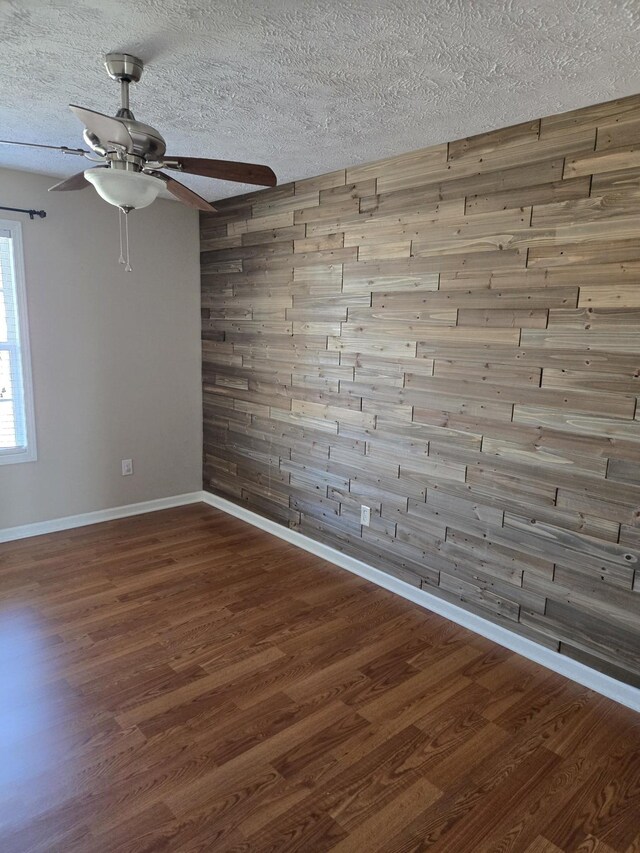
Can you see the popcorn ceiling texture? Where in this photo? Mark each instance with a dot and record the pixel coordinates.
(308, 86)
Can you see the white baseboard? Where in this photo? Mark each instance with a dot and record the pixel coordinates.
(8, 534)
(620, 692)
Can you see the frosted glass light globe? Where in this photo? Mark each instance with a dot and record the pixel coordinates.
(129, 190)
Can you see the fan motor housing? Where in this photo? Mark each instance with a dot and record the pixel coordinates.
(147, 141)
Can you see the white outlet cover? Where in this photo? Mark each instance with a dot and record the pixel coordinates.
(127, 467)
(365, 515)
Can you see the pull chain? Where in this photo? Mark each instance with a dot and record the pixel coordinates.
(126, 236)
(120, 212)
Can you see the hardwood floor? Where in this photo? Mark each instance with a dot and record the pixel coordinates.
(163, 689)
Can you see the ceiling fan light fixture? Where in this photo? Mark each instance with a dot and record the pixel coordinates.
(124, 189)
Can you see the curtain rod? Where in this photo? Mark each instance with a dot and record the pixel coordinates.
(32, 213)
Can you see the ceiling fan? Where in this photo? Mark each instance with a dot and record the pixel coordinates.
(132, 154)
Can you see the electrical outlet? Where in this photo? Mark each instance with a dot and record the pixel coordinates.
(127, 467)
(365, 515)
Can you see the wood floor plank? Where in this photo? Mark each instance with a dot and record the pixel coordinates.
(181, 681)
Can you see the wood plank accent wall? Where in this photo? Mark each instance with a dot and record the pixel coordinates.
(451, 337)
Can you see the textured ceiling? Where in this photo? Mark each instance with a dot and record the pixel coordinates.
(307, 86)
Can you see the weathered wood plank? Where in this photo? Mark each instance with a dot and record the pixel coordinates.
(612, 160)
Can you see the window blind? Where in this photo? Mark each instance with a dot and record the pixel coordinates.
(14, 411)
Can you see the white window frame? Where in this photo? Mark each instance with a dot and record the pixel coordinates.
(21, 352)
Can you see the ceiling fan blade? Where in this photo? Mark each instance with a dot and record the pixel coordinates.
(63, 148)
(106, 128)
(183, 193)
(75, 182)
(224, 170)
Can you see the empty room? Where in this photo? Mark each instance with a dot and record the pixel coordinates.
(320, 426)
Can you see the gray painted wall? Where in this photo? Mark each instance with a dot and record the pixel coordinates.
(116, 357)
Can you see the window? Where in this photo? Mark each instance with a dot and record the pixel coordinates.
(17, 429)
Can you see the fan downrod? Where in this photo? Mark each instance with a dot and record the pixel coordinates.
(127, 69)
